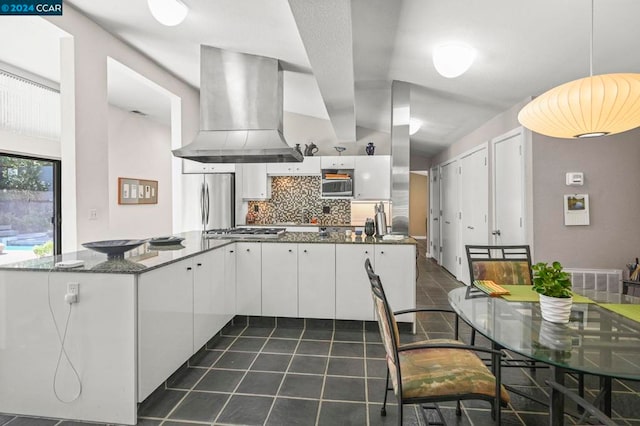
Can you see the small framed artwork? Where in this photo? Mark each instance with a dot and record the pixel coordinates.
(576, 209)
(137, 191)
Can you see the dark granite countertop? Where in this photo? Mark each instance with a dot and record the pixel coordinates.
(148, 257)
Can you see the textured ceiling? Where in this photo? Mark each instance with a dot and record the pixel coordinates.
(524, 48)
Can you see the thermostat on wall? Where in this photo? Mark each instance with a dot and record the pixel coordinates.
(575, 178)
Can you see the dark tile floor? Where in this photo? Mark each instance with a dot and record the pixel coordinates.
(321, 373)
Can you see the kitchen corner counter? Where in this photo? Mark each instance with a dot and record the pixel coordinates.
(148, 257)
(141, 259)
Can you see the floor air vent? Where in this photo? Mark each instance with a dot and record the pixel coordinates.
(609, 280)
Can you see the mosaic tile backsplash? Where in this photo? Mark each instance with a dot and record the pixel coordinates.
(297, 199)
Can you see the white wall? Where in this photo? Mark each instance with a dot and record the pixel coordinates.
(15, 143)
(139, 148)
(304, 129)
(89, 134)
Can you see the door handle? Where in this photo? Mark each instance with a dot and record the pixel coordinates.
(202, 207)
(496, 232)
(470, 227)
(207, 199)
(447, 222)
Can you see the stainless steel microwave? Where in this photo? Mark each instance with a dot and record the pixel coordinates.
(337, 183)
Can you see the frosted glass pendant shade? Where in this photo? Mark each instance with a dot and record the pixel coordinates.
(592, 106)
(453, 59)
(168, 12)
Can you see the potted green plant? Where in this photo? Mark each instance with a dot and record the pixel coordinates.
(554, 287)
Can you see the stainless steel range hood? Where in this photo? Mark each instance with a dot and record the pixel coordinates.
(240, 111)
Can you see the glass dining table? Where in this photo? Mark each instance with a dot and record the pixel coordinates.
(596, 341)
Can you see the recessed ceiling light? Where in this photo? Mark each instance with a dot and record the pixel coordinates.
(414, 126)
(168, 12)
(453, 59)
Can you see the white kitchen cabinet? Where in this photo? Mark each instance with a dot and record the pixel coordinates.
(208, 296)
(396, 266)
(165, 323)
(317, 280)
(229, 282)
(279, 279)
(310, 166)
(189, 166)
(353, 291)
(256, 185)
(338, 162)
(248, 278)
(372, 177)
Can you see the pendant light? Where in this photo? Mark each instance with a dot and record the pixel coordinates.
(168, 12)
(588, 107)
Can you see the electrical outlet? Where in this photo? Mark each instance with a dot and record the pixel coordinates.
(326, 209)
(93, 214)
(256, 208)
(73, 293)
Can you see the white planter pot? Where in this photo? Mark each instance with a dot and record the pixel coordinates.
(555, 309)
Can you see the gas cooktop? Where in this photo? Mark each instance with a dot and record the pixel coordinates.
(245, 233)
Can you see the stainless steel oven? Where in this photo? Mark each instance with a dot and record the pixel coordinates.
(337, 183)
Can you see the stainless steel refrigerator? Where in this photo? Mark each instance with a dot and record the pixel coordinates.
(217, 201)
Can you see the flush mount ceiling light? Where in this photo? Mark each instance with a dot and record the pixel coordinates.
(453, 59)
(414, 126)
(168, 12)
(588, 107)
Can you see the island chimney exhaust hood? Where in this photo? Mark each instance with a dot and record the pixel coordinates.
(240, 111)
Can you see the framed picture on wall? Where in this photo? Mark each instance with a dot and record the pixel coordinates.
(576, 209)
(137, 191)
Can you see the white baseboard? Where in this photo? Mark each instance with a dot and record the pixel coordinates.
(419, 237)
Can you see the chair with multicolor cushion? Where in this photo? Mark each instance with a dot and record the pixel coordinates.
(435, 370)
(504, 265)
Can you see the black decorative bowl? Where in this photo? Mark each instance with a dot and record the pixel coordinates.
(114, 249)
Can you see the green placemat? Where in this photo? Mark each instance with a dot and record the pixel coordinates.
(525, 293)
(626, 310)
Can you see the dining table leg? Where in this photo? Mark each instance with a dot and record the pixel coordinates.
(605, 388)
(556, 400)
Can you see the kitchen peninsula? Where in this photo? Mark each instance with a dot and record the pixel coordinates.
(139, 319)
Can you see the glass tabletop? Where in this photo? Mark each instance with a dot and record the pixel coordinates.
(595, 341)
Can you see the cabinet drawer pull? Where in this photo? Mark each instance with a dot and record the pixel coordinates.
(305, 251)
(366, 252)
(198, 264)
(290, 250)
(188, 268)
(230, 251)
(381, 252)
(248, 249)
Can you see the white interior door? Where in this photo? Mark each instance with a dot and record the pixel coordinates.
(434, 213)
(449, 217)
(474, 205)
(509, 189)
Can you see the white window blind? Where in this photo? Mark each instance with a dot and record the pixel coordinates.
(29, 108)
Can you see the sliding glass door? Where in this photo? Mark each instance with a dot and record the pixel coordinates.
(29, 208)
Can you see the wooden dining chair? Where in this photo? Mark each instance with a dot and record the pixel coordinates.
(435, 370)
